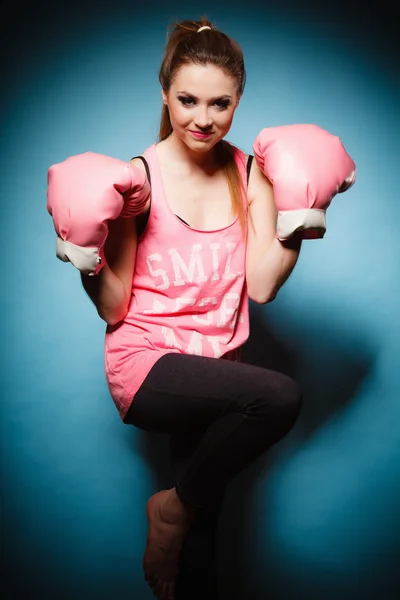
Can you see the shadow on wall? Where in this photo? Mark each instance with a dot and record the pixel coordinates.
(327, 386)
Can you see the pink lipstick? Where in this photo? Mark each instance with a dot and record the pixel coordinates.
(199, 135)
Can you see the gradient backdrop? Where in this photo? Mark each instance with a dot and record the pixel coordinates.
(316, 519)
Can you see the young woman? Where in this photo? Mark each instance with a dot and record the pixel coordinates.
(173, 287)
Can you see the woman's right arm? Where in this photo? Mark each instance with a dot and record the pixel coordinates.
(111, 289)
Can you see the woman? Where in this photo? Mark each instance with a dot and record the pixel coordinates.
(174, 288)
(192, 262)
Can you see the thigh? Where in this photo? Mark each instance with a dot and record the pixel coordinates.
(185, 393)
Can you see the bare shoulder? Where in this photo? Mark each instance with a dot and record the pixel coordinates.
(259, 185)
(137, 162)
(262, 208)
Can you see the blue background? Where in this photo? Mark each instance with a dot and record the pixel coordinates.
(318, 517)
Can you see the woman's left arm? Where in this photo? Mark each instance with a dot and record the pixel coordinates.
(269, 262)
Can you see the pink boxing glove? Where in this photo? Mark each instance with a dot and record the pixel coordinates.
(307, 167)
(83, 193)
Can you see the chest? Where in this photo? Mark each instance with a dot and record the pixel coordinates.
(202, 201)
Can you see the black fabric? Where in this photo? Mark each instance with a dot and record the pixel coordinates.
(146, 166)
(248, 167)
(221, 416)
(237, 411)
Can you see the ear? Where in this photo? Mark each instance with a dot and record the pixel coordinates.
(164, 97)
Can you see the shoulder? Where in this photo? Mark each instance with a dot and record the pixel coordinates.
(259, 186)
(138, 162)
(261, 207)
(141, 158)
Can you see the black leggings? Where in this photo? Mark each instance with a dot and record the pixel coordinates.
(221, 416)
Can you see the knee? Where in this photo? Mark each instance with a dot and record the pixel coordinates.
(291, 399)
(283, 403)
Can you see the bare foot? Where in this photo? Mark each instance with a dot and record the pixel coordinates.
(168, 521)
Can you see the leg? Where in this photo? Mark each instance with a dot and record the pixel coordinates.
(197, 578)
(242, 409)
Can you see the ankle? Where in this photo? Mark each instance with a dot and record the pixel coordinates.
(175, 509)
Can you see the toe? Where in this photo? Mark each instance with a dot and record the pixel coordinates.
(147, 571)
(170, 591)
(152, 581)
(157, 587)
(165, 591)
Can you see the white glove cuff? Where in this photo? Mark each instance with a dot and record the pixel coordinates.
(88, 260)
(290, 221)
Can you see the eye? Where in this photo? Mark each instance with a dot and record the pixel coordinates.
(186, 100)
(222, 104)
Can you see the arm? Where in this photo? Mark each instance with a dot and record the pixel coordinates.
(269, 261)
(111, 289)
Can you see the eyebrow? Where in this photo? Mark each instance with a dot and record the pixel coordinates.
(224, 96)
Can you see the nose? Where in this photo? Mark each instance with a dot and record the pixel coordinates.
(202, 118)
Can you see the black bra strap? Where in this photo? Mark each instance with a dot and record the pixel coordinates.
(146, 166)
(249, 161)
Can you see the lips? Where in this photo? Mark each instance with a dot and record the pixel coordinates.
(200, 135)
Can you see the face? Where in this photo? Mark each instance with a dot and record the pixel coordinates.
(201, 101)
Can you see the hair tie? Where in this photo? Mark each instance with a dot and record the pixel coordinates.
(204, 27)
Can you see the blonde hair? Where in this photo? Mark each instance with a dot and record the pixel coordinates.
(185, 45)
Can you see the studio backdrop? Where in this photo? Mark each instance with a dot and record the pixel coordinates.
(318, 517)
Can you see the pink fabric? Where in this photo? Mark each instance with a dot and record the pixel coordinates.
(189, 294)
(307, 165)
(87, 190)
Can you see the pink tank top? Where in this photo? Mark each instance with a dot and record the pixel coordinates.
(189, 294)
